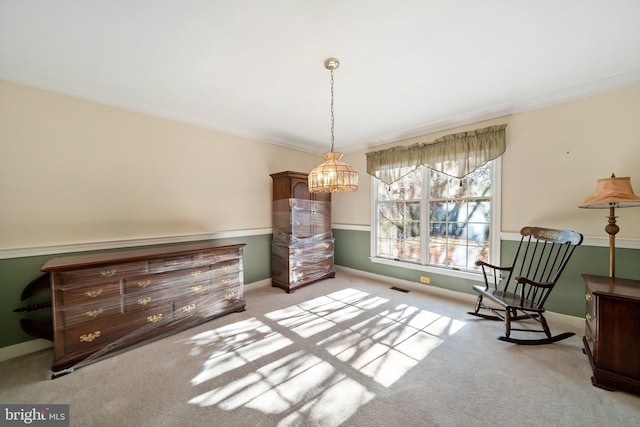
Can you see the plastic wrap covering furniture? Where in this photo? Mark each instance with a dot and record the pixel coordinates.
(302, 262)
(107, 302)
(301, 221)
(302, 245)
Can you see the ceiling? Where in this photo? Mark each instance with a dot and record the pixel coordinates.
(254, 68)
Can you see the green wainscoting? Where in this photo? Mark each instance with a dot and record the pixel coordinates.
(352, 250)
(16, 273)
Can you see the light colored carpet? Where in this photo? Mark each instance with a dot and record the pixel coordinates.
(347, 351)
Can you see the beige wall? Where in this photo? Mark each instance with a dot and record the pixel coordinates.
(74, 171)
(554, 157)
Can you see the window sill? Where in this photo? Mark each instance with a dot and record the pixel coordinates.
(435, 270)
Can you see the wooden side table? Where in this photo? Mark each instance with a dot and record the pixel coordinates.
(612, 332)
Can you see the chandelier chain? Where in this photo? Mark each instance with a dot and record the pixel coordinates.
(332, 118)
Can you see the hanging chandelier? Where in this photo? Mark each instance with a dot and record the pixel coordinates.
(333, 175)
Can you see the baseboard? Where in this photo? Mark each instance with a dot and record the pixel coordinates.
(447, 293)
(23, 348)
(258, 284)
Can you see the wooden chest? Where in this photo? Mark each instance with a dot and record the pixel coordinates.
(106, 302)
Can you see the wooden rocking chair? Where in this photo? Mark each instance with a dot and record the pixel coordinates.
(541, 257)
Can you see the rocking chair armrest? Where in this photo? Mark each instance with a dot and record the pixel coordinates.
(522, 279)
(495, 267)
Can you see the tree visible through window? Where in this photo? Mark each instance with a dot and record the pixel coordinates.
(434, 219)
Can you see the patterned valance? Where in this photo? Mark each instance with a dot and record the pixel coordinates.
(457, 155)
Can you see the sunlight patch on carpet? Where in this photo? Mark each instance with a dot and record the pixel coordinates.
(299, 380)
(253, 341)
(275, 367)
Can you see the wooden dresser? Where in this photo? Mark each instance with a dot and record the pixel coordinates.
(107, 302)
(302, 245)
(612, 333)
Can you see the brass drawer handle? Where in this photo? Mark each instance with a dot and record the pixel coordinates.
(230, 296)
(90, 336)
(195, 273)
(170, 263)
(588, 297)
(94, 313)
(144, 283)
(588, 317)
(589, 338)
(93, 293)
(226, 281)
(108, 273)
(196, 288)
(144, 301)
(155, 318)
(188, 308)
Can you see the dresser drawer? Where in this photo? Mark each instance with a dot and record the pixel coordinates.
(225, 268)
(164, 281)
(170, 263)
(94, 335)
(213, 257)
(90, 312)
(107, 273)
(99, 333)
(144, 301)
(157, 316)
(209, 306)
(97, 294)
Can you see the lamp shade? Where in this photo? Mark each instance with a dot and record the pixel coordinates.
(616, 192)
(333, 175)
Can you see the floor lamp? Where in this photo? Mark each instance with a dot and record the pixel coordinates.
(612, 193)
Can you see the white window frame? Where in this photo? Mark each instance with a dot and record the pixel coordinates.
(494, 236)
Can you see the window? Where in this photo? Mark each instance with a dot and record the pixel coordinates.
(433, 220)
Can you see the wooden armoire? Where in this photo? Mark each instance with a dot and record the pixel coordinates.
(302, 245)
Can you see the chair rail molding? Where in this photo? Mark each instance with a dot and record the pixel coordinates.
(127, 243)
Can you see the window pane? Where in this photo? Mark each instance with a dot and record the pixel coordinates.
(413, 250)
(479, 182)
(477, 254)
(389, 211)
(384, 247)
(437, 251)
(386, 229)
(478, 234)
(408, 188)
(457, 256)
